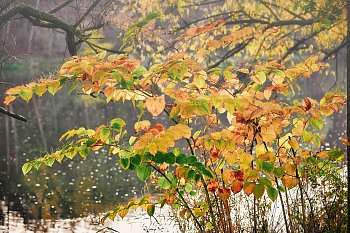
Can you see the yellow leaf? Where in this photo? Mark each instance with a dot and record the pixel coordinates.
(53, 86)
(245, 158)
(152, 148)
(260, 149)
(178, 131)
(259, 77)
(230, 157)
(294, 143)
(155, 105)
(290, 169)
(142, 125)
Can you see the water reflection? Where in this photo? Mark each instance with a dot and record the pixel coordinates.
(135, 221)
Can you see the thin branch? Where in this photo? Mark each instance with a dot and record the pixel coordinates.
(204, 3)
(13, 115)
(59, 7)
(300, 42)
(335, 50)
(230, 53)
(93, 5)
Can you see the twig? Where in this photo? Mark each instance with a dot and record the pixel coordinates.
(13, 115)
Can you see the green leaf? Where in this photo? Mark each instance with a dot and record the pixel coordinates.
(169, 158)
(336, 154)
(190, 174)
(49, 161)
(164, 183)
(191, 159)
(316, 122)
(139, 71)
(278, 172)
(196, 134)
(104, 134)
(259, 190)
(84, 151)
(159, 158)
(147, 157)
(37, 164)
(124, 163)
(193, 193)
(260, 77)
(117, 123)
(267, 166)
(209, 225)
(150, 209)
(281, 188)
(307, 136)
(197, 177)
(26, 168)
(272, 193)
(146, 20)
(26, 94)
(205, 171)
(265, 181)
(136, 160)
(143, 172)
(188, 187)
(181, 159)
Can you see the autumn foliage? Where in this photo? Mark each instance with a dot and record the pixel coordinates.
(240, 137)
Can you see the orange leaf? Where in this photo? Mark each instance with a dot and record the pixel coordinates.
(249, 188)
(237, 186)
(224, 194)
(155, 105)
(289, 181)
(9, 99)
(142, 125)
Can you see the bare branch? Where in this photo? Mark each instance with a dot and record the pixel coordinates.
(335, 50)
(59, 7)
(13, 115)
(93, 5)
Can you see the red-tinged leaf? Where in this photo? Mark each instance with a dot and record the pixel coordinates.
(237, 186)
(346, 141)
(248, 187)
(239, 175)
(224, 194)
(155, 105)
(9, 99)
(143, 141)
(306, 105)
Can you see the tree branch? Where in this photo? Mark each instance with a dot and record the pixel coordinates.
(335, 50)
(59, 7)
(93, 5)
(13, 115)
